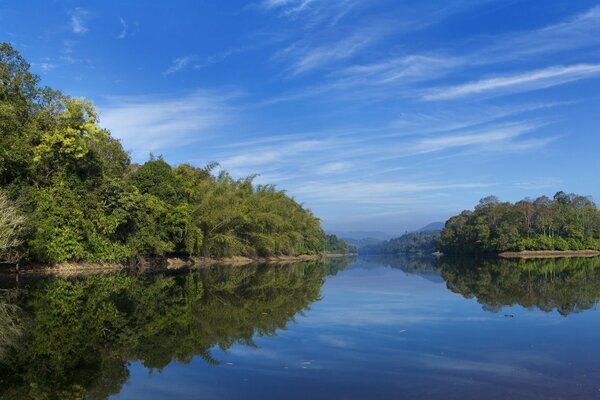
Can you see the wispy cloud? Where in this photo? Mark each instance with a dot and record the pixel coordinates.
(123, 33)
(333, 168)
(384, 78)
(178, 64)
(263, 155)
(218, 57)
(305, 56)
(578, 31)
(153, 123)
(79, 17)
(44, 66)
(479, 138)
(374, 193)
(314, 11)
(531, 80)
(539, 183)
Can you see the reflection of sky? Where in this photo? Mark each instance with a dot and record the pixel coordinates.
(379, 333)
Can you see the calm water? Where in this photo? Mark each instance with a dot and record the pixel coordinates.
(360, 329)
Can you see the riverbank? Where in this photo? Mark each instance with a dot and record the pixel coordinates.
(549, 254)
(152, 264)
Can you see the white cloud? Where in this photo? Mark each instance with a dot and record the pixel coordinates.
(306, 56)
(312, 11)
(531, 80)
(576, 32)
(486, 138)
(79, 18)
(333, 168)
(403, 69)
(152, 124)
(123, 29)
(392, 193)
(44, 66)
(260, 156)
(178, 64)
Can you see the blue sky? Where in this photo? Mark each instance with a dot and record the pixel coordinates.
(377, 115)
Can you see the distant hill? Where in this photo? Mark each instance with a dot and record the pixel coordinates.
(434, 226)
(413, 242)
(358, 235)
(360, 243)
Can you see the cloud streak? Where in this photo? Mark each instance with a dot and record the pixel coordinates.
(527, 81)
(153, 123)
(79, 18)
(178, 64)
(123, 33)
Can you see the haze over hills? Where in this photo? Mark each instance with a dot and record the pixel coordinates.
(358, 235)
(362, 239)
(434, 226)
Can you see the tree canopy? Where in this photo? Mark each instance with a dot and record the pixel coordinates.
(84, 200)
(565, 222)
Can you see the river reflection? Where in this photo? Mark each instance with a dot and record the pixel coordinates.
(74, 338)
(565, 285)
(382, 328)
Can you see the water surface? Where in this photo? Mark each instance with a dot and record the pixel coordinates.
(357, 329)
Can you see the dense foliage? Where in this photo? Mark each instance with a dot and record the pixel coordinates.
(335, 245)
(413, 242)
(84, 200)
(75, 338)
(566, 222)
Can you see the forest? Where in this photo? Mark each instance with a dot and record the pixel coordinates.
(335, 245)
(564, 222)
(69, 191)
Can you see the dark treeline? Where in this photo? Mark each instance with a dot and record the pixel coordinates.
(68, 191)
(565, 222)
(75, 338)
(412, 242)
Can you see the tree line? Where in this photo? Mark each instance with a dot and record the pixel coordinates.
(69, 191)
(564, 222)
(335, 245)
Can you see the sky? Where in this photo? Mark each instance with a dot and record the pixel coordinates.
(381, 115)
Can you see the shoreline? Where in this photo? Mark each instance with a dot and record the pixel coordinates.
(549, 254)
(155, 264)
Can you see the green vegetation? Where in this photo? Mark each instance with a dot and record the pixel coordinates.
(567, 285)
(335, 245)
(84, 200)
(566, 222)
(75, 338)
(413, 242)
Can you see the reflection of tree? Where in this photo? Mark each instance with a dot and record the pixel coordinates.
(568, 285)
(80, 334)
(10, 323)
(336, 264)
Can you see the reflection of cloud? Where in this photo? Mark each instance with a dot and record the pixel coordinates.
(335, 341)
(486, 367)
